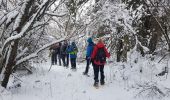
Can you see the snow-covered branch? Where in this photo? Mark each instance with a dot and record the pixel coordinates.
(134, 32)
(35, 54)
(56, 15)
(22, 53)
(24, 29)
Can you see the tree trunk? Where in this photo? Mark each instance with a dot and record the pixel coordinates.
(1, 66)
(119, 50)
(153, 43)
(10, 64)
(125, 48)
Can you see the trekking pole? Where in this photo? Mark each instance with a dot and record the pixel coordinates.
(110, 68)
(50, 68)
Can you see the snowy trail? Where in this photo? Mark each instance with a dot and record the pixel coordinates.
(64, 84)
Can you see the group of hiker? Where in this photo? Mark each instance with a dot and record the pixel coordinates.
(95, 54)
(61, 51)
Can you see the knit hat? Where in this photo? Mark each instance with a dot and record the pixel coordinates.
(73, 43)
(89, 40)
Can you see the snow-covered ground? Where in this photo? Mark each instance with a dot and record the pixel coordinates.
(64, 84)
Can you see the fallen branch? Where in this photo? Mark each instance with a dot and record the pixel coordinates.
(163, 57)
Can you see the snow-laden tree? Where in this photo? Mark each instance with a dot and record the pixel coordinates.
(112, 21)
(25, 26)
(19, 22)
(139, 24)
(151, 21)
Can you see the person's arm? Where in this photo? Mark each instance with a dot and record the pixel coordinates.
(61, 49)
(94, 52)
(107, 53)
(68, 49)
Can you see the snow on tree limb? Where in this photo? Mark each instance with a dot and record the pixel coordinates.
(3, 19)
(35, 54)
(54, 14)
(22, 53)
(24, 29)
(137, 41)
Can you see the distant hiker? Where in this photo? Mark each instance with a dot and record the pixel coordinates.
(73, 54)
(58, 53)
(99, 57)
(89, 51)
(64, 54)
(53, 54)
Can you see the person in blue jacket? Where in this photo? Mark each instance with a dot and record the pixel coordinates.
(72, 50)
(89, 51)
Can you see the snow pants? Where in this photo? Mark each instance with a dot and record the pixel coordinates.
(59, 59)
(89, 61)
(73, 63)
(97, 69)
(54, 58)
(65, 59)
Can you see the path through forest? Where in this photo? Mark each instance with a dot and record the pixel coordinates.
(64, 84)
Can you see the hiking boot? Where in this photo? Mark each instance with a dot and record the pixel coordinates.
(96, 84)
(67, 67)
(84, 73)
(102, 82)
(74, 69)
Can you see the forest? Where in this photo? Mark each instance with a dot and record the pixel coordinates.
(136, 34)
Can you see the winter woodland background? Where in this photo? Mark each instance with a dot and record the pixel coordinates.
(136, 32)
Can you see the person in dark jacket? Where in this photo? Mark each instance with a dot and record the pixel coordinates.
(58, 53)
(89, 51)
(64, 54)
(73, 54)
(99, 66)
(53, 54)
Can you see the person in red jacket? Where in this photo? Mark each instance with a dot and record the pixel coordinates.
(101, 51)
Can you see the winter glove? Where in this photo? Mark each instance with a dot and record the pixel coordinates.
(88, 57)
(92, 60)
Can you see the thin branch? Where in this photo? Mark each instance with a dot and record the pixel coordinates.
(24, 29)
(54, 14)
(35, 54)
(165, 35)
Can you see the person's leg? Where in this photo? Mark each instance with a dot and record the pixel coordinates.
(93, 64)
(63, 59)
(96, 73)
(52, 59)
(56, 58)
(102, 74)
(67, 55)
(59, 59)
(71, 60)
(75, 63)
(87, 66)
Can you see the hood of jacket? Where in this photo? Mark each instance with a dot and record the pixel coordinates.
(100, 45)
(91, 44)
(89, 40)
